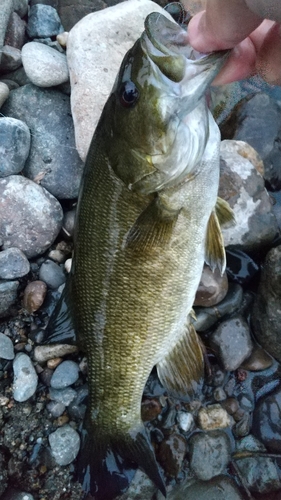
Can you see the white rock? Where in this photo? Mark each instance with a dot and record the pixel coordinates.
(4, 93)
(25, 378)
(95, 48)
(44, 66)
(213, 417)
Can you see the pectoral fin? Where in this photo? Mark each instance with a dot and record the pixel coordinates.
(224, 212)
(60, 329)
(153, 228)
(214, 247)
(182, 370)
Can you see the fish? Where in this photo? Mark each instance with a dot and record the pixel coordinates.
(148, 217)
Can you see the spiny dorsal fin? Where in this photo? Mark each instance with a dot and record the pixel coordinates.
(224, 212)
(183, 368)
(153, 228)
(214, 247)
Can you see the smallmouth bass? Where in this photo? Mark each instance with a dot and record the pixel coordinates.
(147, 218)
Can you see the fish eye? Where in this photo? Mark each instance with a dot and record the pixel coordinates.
(128, 94)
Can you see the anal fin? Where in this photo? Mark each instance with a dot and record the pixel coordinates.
(214, 246)
(181, 372)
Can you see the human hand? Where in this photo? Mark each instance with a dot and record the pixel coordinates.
(256, 42)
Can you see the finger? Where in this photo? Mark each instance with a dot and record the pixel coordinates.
(268, 63)
(240, 65)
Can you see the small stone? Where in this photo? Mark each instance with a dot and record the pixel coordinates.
(66, 374)
(141, 487)
(68, 223)
(55, 408)
(6, 347)
(4, 92)
(44, 352)
(238, 414)
(219, 394)
(43, 21)
(14, 145)
(258, 360)
(242, 427)
(212, 288)
(52, 274)
(221, 487)
(10, 60)
(54, 363)
(8, 296)
(45, 376)
(150, 409)
(185, 420)
(57, 256)
(20, 7)
(13, 264)
(65, 444)
(34, 295)
(171, 453)
(209, 454)
(68, 265)
(25, 378)
(63, 396)
(44, 66)
(231, 405)
(62, 38)
(267, 420)
(15, 32)
(213, 417)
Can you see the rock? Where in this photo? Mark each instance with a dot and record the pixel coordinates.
(240, 267)
(68, 222)
(171, 453)
(185, 420)
(95, 49)
(53, 160)
(62, 39)
(13, 264)
(65, 444)
(34, 295)
(212, 288)
(52, 274)
(14, 145)
(56, 409)
(6, 9)
(20, 7)
(4, 93)
(219, 488)
(71, 11)
(10, 59)
(8, 296)
(44, 352)
(63, 396)
(267, 421)
(259, 473)
(44, 66)
(6, 347)
(15, 32)
(31, 216)
(213, 417)
(209, 454)
(66, 374)
(231, 405)
(17, 77)
(243, 187)
(150, 409)
(141, 487)
(257, 361)
(43, 22)
(243, 425)
(25, 378)
(266, 315)
(12, 494)
(219, 394)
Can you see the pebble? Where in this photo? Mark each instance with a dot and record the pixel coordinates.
(150, 409)
(53, 363)
(55, 408)
(209, 454)
(185, 420)
(258, 360)
(34, 295)
(231, 405)
(53, 161)
(15, 33)
(243, 426)
(44, 352)
(13, 264)
(25, 378)
(31, 216)
(4, 93)
(65, 444)
(213, 417)
(6, 9)
(219, 394)
(67, 373)
(17, 495)
(20, 7)
(67, 265)
(219, 488)
(14, 145)
(8, 296)
(212, 288)
(171, 453)
(267, 421)
(141, 487)
(6, 347)
(43, 65)
(69, 222)
(52, 274)
(43, 21)
(232, 341)
(63, 396)
(10, 59)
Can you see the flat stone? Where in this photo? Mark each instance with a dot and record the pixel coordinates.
(6, 347)
(14, 145)
(34, 295)
(212, 288)
(65, 444)
(8, 296)
(44, 352)
(25, 378)
(213, 417)
(221, 487)
(13, 264)
(52, 274)
(66, 374)
(10, 60)
(43, 21)
(209, 454)
(44, 66)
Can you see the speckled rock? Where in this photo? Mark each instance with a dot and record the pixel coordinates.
(44, 66)
(30, 216)
(13, 264)
(15, 31)
(43, 22)
(6, 347)
(212, 288)
(44, 352)
(6, 9)
(8, 296)
(219, 488)
(171, 453)
(213, 417)
(25, 378)
(52, 274)
(65, 444)
(14, 145)
(65, 374)
(267, 421)
(4, 93)
(10, 60)
(209, 454)
(34, 295)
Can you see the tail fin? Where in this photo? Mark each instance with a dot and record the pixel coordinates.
(106, 465)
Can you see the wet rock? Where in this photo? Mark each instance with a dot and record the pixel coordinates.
(31, 218)
(185, 420)
(171, 453)
(52, 274)
(266, 316)
(6, 9)
(65, 444)
(25, 378)
(10, 59)
(53, 160)
(213, 417)
(4, 93)
(240, 267)
(13, 264)
(34, 295)
(14, 145)
(209, 454)
(150, 409)
(6, 347)
(267, 421)
(43, 22)
(231, 405)
(8, 296)
(65, 374)
(242, 426)
(219, 488)
(140, 487)
(208, 316)
(219, 394)
(258, 360)
(13, 494)
(15, 32)
(68, 223)
(259, 473)
(63, 396)
(96, 39)
(44, 352)
(212, 288)
(55, 408)
(232, 341)
(44, 66)
(243, 187)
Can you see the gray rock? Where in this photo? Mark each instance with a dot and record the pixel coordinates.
(43, 21)
(44, 352)
(10, 59)
(266, 315)
(15, 33)
(52, 274)
(212, 288)
(66, 374)
(44, 66)
(30, 216)
(25, 378)
(12, 494)
(4, 93)
(65, 444)
(6, 347)
(53, 160)
(6, 9)
(14, 145)
(267, 421)
(218, 488)
(55, 408)
(209, 454)
(232, 341)
(8, 296)
(141, 487)
(20, 7)
(63, 396)
(13, 264)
